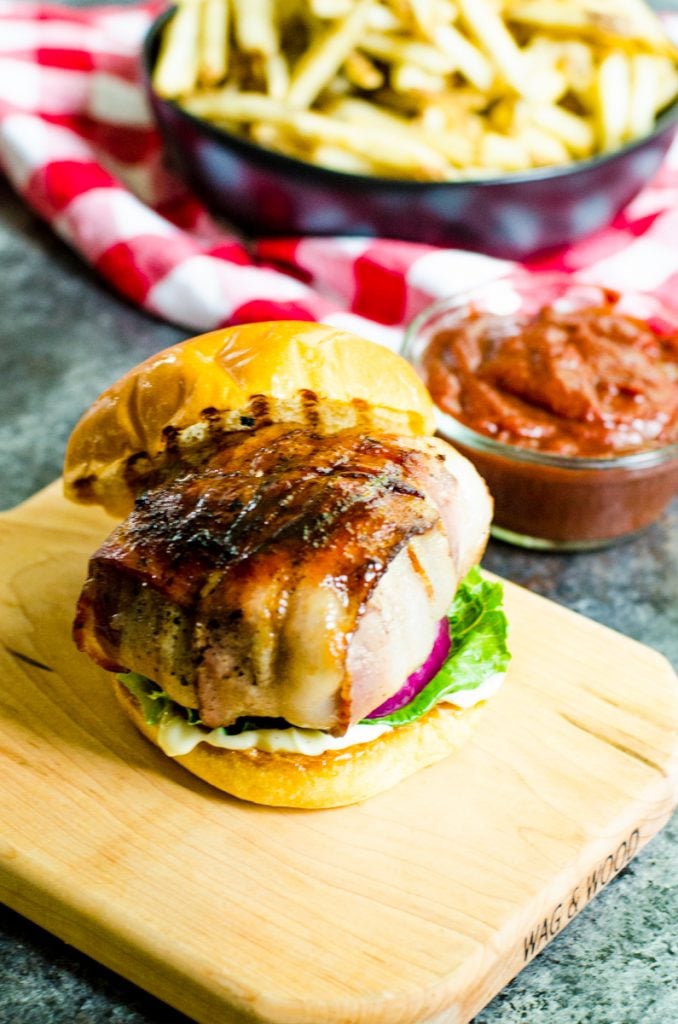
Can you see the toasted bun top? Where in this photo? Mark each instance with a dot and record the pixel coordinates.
(284, 361)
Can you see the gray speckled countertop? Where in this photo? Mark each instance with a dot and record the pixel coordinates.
(63, 337)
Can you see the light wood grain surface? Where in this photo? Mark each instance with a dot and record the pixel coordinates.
(416, 906)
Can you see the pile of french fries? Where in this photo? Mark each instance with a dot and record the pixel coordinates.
(432, 90)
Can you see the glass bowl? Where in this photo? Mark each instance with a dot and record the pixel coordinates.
(547, 499)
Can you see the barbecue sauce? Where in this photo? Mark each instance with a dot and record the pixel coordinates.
(592, 382)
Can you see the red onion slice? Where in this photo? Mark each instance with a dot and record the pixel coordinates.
(418, 680)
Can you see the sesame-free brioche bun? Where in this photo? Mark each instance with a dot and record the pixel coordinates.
(262, 372)
(332, 779)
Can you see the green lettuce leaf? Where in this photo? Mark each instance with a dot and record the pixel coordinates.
(154, 701)
(479, 631)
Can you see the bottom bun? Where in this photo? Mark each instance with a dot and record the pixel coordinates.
(332, 779)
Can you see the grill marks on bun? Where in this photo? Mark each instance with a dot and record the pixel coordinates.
(191, 446)
(115, 486)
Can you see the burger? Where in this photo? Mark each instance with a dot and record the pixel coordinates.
(290, 600)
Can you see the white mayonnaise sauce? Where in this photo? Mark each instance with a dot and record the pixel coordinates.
(468, 698)
(176, 736)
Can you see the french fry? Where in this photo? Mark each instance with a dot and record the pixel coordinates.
(549, 79)
(352, 108)
(277, 76)
(342, 160)
(462, 101)
(213, 41)
(457, 139)
(362, 72)
(176, 71)
(255, 27)
(411, 79)
(326, 55)
(425, 16)
(383, 19)
(609, 22)
(644, 93)
(231, 105)
(576, 60)
(613, 95)
(559, 16)
(457, 147)
(502, 151)
(465, 57)
(397, 50)
(634, 20)
(330, 8)
(668, 82)
(281, 139)
(572, 130)
(495, 39)
(543, 149)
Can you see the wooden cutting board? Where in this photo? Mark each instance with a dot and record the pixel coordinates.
(416, 906)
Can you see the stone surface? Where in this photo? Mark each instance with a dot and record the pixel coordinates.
(63, 337)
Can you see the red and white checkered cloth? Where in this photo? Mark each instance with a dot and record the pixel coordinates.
(78, 144)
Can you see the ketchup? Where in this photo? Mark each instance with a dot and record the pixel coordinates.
(590, 382)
